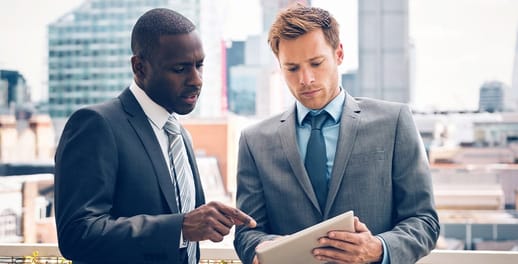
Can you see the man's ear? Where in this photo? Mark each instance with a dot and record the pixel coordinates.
(340, 54)
(138, 67)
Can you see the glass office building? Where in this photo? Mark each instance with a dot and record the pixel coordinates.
(14, 91)
(383, 45)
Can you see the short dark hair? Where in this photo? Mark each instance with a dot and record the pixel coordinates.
(156, 23)
(298, 20)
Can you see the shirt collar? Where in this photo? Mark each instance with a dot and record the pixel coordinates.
(154, 112)
(333, 108)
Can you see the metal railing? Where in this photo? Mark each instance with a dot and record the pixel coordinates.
(49, 253)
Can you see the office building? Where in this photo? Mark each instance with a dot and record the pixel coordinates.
(350, 82)
(13, 90)
(245, 82)
(492, 96)
(235, 55)
(213, 98)
(383, 45)
(513, 92)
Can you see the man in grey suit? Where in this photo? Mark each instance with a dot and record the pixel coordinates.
(366, 157)
(127, 189)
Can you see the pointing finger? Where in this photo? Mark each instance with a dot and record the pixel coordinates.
(237, 216)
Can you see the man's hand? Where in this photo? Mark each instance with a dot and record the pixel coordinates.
(262, 244)
(348, 247)
(213, 221)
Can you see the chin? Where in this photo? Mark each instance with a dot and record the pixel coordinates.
(184, 110)
(313, 105)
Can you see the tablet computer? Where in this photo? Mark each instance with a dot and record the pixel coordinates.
(297, 248)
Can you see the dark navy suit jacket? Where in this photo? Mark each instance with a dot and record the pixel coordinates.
(115, 201)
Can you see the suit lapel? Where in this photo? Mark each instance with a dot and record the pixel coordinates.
(140, 124)
(287, 134)
(200, 197)
(346, 138)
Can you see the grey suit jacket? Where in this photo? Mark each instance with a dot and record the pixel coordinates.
(380, 171)
(115, 201)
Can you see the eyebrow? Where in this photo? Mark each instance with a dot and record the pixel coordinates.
(310, 59)
(185, 62)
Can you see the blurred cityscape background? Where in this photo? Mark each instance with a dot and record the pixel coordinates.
(467, 115)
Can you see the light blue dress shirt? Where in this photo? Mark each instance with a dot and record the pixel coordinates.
(330, 130)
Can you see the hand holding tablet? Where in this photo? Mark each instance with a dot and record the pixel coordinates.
(297, 248)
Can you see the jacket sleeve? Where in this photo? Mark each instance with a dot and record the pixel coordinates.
(250, 200)
(417, 228)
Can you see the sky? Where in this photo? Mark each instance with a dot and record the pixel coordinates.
(459, 44)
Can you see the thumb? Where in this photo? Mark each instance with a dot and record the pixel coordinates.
(359, 226)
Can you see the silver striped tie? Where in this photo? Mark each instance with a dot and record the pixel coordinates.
(181, 174)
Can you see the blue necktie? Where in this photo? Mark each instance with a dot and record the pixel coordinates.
(316, 158)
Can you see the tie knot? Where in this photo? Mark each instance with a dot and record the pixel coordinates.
(317, 121)
(172, 126)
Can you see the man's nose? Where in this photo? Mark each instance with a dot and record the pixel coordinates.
(306, 77)
(195, 77)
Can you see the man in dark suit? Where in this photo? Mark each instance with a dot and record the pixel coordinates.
(120, 187)
(365, 155)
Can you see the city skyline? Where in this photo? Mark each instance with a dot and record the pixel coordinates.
(458, 44)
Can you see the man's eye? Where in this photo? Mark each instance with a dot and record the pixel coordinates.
(292, 69)
(178, 69)
(316, 64)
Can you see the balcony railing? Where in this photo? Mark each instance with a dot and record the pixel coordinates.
(49, 253)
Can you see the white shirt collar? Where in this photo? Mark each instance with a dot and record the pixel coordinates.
(154, 112)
